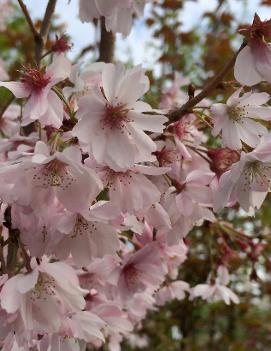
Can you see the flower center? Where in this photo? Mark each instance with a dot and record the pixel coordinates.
(35, 80)
(54, 173)
(131, 276)
(115, 117)
(82, 226)
(258, 173)
(236, 113)
(44, 287)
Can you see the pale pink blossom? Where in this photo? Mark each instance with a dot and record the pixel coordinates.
(173, 95)
(90, 9)
(38, 180)
(247, 181)
(9, 123)
(217, 291)
(253, 63)
(112, 122)
(187, 204)
(84, 80)
(43, 104)
(85, 239)
(141, 271)
(129, 191)
(121, 19)
(43, 296)
(238, 119)
(118, 14)
(174, 290)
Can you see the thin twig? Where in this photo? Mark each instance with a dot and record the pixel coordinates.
(212, 85)
(44, 30)
(28, 19)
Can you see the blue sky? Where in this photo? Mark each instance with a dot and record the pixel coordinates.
(137, 43)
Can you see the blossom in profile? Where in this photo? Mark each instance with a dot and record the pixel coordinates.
(253, 63)
(118, 13)
(247, 181)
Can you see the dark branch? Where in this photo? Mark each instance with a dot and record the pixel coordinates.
(210, 86)
(107, 44)
(28, 19)
(44, 30)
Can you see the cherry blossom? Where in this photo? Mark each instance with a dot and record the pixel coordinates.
(114, 130)
(118, 14)
(36, 84)
(45, 176)
(42, 296)
(217, 291)
(248, 180)
(254, 60)
(238, 119)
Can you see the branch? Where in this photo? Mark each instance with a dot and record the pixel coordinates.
(83, 52)
(28, 19)
(212, 85)
(44, 30)
(107, 44)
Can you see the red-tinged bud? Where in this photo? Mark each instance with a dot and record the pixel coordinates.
(61, 45)
(243, 245)
(166, 156)
(178, 128)
(254, 275)
(35, 79)
(222, 159)
(256, 250)
(259, 30)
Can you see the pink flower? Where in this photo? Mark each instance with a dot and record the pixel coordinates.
(171, 291)
(116, 320)
(111, 120)
(174, 95)
(141, 271)
(237, 119)
(121, 19)
(85, 239)
(63, 175)
(90, 9)
(43, 296)
(118, 13)
(36, 85)
(248, 180)
(84, 81)
(187, 204)
(130, 191)
(253, 63)
(9, 123)
(222, 159)
(217, 291)
(84, 325)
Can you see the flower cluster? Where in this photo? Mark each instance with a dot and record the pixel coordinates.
(99, 192)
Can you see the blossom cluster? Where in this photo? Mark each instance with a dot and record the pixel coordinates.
(99, 192)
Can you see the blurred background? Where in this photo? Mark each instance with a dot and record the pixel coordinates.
(194, 38)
